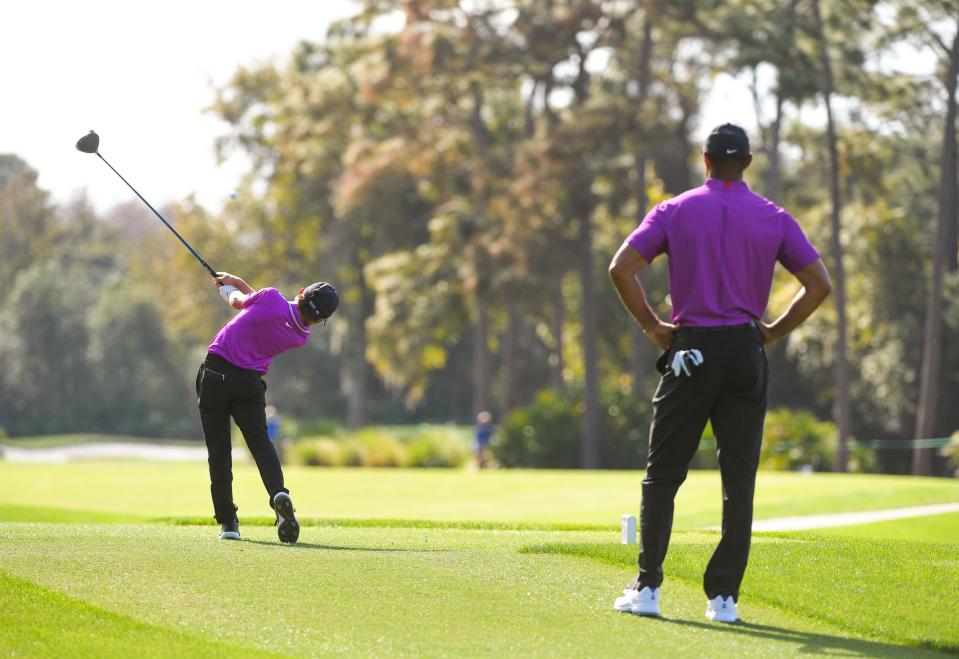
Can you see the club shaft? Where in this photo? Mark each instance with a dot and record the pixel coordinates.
(168, 225)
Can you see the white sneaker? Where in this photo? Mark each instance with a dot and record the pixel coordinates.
(643, 602)
(722, 610)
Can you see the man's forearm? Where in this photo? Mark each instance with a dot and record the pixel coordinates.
(801, 308)
(623, 271)
(633, 296)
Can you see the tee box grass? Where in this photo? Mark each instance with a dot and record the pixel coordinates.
(447, 563)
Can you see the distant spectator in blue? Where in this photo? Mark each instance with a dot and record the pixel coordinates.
(484, 433)
(272, 424)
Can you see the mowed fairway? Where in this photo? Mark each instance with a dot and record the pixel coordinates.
(441, 563)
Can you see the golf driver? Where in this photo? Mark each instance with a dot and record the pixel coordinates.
(90, 143)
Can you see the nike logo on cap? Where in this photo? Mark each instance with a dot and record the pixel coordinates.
(728, 151)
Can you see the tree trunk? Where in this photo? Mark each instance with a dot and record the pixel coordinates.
(944, 259)
(773, 176)
(589, 449)
(638, 347)
(581, 207)
(558, 320)
(841, 367)
(773, 189)
(481, 366)
(510, 359)
(947, 187)
(482, 384)
(356, 381)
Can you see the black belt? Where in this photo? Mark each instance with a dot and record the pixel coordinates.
(216, 362)
(693, 331)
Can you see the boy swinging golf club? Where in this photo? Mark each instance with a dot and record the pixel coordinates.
(230, 383)
(230, 380)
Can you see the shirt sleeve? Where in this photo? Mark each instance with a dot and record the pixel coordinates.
(795, 251)
(649, 238)
(259, 295)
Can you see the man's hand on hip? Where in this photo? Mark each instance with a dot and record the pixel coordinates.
(767, 332)
(661, 334)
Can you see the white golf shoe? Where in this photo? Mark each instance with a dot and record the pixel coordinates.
(643, 602)
(722, 609)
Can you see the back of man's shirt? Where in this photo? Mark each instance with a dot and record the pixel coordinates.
(723, 242)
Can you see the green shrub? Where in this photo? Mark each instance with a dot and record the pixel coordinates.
(542, 434)
(624, 430)
(795, 438)
(380, 448)
(313, 427)
(950, 451)
(546, 433)
(437, 448)
(317, 452)
(352, 452)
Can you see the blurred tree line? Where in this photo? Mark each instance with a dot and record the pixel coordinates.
(463, 171)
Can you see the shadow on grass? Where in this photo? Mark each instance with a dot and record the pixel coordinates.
(363, 522)
(310, 545)
(811, 643)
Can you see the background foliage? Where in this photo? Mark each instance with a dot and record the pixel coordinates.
(463, 172)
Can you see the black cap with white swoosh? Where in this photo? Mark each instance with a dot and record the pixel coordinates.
(727, 141)
(320, 300)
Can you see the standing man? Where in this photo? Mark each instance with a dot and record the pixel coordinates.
(230, 383)
(723, 242)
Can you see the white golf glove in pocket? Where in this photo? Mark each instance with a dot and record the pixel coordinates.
(686, 360)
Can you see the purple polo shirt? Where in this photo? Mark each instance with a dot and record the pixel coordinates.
(723, 241)
(268, 325)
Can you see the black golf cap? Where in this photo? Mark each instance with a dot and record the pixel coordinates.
(320, 300)
(727, 141)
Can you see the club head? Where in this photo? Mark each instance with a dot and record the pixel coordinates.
(89, 143)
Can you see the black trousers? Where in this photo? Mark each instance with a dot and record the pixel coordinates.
(224, 390)
(729, 389)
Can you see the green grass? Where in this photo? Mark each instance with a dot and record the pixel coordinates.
(37, 621)
(934, 528)
(566, 497)
(57, 441)
(397, 591)
(882, 589)
(15, 513)
(393, 523)
(441, 563)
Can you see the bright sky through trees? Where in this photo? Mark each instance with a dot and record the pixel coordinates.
(141, 76)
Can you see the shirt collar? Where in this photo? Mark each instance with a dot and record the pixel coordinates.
(717, 184)
(296, 318)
